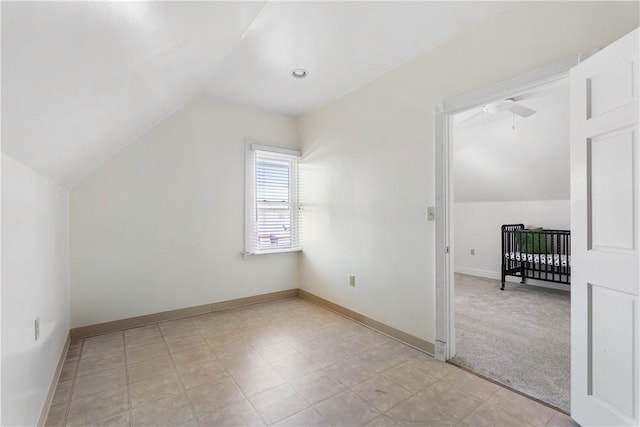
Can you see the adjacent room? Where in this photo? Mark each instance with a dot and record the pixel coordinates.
(221, 213)
(511, 167)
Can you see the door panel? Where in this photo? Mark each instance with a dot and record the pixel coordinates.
(605, 283)
(611, 191)
(611, 89)
(611, 349)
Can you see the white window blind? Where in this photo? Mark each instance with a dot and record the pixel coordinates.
(272, 200)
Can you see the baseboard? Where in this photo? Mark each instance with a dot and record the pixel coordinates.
(417, 343)
(478, 272)
(54, 383)
(511, 279)
(134, 322)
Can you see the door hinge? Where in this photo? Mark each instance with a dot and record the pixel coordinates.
(446, 249)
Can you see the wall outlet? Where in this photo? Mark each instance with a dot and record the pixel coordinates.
(473, 251)
(352, 280)
(37, 328)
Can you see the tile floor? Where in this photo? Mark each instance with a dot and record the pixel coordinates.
(285, 363)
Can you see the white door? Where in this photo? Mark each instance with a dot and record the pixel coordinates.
(605, 230)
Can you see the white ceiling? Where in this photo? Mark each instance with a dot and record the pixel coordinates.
(343, 45)
(80, 80)
(495, 162)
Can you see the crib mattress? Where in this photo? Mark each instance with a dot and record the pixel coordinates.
(546, 259)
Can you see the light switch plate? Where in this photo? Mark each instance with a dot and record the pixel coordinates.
(431, 213)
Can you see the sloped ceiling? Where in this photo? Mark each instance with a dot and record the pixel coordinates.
(80, 80)
(502, 157)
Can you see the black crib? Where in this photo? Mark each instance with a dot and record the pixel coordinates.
(536, 254)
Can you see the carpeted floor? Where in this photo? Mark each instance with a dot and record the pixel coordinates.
(519, 337)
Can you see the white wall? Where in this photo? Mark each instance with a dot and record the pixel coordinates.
(368, 158)
(477, 226)
(160, 226)
(35, 283)
(509, 176)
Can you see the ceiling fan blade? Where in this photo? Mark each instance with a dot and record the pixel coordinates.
(520, 110)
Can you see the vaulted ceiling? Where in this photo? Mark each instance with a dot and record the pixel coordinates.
(502, 157)
(80, 80)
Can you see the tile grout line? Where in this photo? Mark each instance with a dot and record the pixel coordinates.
(350, 389)
(511, 415)
(310, 405)
(439, 380)
(487, 401)
(73, 385)
(502, 387)
(148, 378)
(381, 373)
(346, 387)
(288, 382)
(175, 368)
(508, 388)
(233, 378)
(126, 374)
(206, 343)
(320, 369)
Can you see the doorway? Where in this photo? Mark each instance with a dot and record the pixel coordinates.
(510, 165)
(464, 107)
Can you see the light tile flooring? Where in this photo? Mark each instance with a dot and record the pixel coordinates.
(286, 363)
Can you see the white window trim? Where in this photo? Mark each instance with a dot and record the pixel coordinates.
(280, 150)
(250, 202)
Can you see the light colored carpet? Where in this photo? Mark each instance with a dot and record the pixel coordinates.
(519, 337)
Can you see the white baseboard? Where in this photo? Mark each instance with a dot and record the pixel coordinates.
(478, 272)
(496, 275)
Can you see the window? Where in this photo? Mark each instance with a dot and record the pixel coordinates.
(272, 200)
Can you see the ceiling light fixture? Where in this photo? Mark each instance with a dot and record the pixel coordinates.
(299, 73)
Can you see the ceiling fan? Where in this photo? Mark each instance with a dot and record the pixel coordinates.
(513, 105)
(509, 104)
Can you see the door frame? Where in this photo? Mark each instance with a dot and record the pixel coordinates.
(443, 113)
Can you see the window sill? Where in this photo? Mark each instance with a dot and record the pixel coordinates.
(248, 255)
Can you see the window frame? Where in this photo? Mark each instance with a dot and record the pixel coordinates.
(252, 149)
